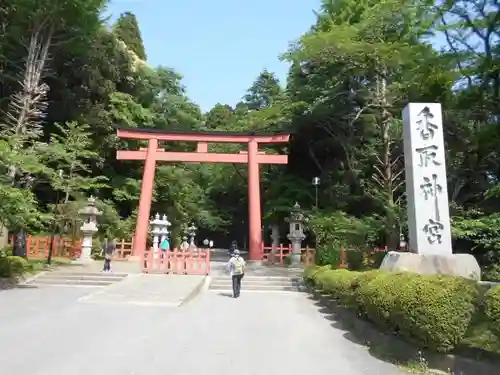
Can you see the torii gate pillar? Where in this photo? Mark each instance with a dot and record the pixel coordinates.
(254, 211)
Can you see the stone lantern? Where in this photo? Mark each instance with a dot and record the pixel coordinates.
(164, 228)
(191, 232)
(184, 244)
(89, 227)
(296, 235)
(156, 230)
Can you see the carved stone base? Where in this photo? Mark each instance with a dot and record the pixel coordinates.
(295, 259)
(463, 265)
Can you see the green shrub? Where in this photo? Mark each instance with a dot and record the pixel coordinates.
(6, 251)
(327, 255)
(13, 266)
(326, 280)
(377, 298)
(355, 259)
(492, 306)
(491, 273)
(361, 278)
(340, 284)
(434, 311)
(376, 258)
(4, 267)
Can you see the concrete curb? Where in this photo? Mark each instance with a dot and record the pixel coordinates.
(201, 286)
(399, 349)
(208, 281)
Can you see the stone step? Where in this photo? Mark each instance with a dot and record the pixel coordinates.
(271, 284)
(100, 274)
(262, 278)
(60, 281)
(80, 277)
(77, 279)
(258, 288)
(258, 284)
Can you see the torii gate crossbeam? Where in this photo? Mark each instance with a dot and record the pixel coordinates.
(154, 153)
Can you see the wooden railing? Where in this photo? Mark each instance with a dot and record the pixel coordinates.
(177, 262)
(369, 254)
(123, 248)
(277, 254)
(38, 246)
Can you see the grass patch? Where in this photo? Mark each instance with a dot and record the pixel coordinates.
(38, 265)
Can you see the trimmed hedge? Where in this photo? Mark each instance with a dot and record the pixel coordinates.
(13, 266)
(433, 312)
(492, 306)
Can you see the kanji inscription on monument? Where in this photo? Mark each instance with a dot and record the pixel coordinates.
(425, 169)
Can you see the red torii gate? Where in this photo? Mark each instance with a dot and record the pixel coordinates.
(154, 153)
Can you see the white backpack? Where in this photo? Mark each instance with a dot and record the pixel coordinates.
(239, 266)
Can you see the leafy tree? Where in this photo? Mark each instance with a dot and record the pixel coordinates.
(127, 29)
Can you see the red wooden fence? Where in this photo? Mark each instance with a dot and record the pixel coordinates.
(373, 252)
(38, 246)
(177, 262)
(277, 254)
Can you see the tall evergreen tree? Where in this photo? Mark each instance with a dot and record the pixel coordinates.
(127, 30)
(263, 92)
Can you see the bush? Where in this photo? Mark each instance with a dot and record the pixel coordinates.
(491, 273)
(432, 311)
(310, 273)
(6, 251)
(355, 259)
(492, 306)
(377, 297)
(13, 266)
(435, 311)
(327, 255)
(377, 258)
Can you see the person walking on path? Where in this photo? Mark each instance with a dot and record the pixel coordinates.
(236, 267)
(109, 249)
(164, 246)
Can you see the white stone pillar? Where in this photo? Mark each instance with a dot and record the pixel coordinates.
(85, 255)
(426, 184)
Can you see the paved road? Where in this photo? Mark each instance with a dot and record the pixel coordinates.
(48, 332)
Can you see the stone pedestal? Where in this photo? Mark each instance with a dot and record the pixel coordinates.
(296, 252)
(463, 265)
(86, 254)
(89, 215)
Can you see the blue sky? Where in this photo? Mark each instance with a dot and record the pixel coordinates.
(219, 46)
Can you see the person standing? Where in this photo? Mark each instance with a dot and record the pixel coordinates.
(164, 246)
(109, 250)
(236, 267)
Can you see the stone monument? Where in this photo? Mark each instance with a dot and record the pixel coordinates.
(296, 235)
(89, 227)
(429, 226)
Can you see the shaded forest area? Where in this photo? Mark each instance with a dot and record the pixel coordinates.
(67, 78)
